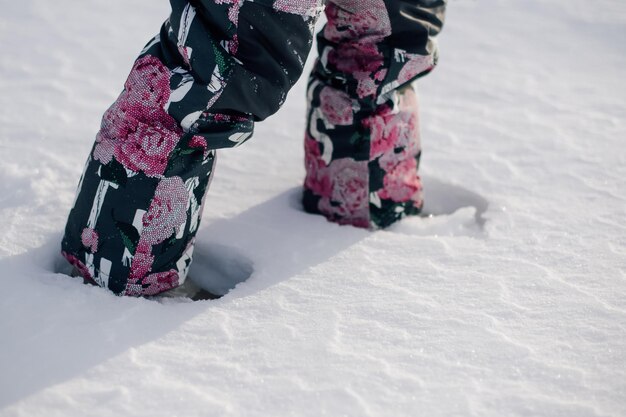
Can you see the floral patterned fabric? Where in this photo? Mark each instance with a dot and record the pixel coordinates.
(362, 144)
(196, 87)
(217, 66)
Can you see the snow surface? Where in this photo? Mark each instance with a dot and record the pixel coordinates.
(510, 300)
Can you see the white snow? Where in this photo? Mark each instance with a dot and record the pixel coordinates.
(510, 300)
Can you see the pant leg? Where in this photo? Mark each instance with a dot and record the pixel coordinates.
(362, 143)
(215, 67)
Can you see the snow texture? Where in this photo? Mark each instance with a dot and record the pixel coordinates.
(507, 299)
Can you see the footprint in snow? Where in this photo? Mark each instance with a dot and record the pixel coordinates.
(449, 210)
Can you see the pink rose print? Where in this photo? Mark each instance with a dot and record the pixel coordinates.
(148, 82)
(103, 151)
(159, 282)
(380, 140)
(89, 238)
(199, 142)
(81, 267)
(415, 65)
(301, 7)
(147, 149)
(402, 183)
(358, 59)
(336, 106)
(233, 16)
(114, 125)
(233, 11)
(317, 179)
(394, 134)
(348, 201)
(356, 27)
(350, 20)
(228, 118)
(136, 129)
(167, 212)
(142, 262)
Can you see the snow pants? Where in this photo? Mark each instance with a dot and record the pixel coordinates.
(215, 68)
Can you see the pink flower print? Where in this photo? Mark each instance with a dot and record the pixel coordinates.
(167, 212)
(133, 289)
(357, 20)
(402, 183)
(162, 281)
(199, 142)
(364, 67)
(81, 267)
(136, 129)
(366, 85)
(348, 201)
(233, 45)
(115, 124)
(147, 149)
(380, 140)
(301, 7)
(104, 149)
(148, 83)
(394, 134)
(415, 65)
(342, 186)
(139, 268)
(233, 11)
(89, 238)
(317, 176)
(357, 28)
(229, 118)
(350, 182)
(336, 106)
(359, 59)
(142, 262)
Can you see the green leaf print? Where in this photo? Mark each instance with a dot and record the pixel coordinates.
(130, 235)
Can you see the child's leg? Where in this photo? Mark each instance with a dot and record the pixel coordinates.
(362, 144)
(197, 86)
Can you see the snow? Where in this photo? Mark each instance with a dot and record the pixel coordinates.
(509, 299)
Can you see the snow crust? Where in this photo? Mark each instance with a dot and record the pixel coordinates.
(508, 298)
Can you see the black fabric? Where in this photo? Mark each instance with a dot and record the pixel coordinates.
(272, 49)
(415, 23)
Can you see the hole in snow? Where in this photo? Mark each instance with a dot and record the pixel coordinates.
(449, 210)
(216, 269)
(445, 199)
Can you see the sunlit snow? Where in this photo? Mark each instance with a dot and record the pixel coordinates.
(506, 298)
